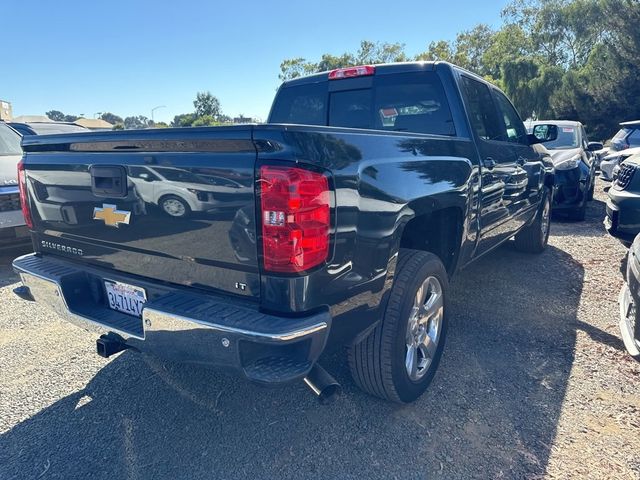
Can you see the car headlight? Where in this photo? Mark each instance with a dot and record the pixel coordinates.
(615, 171)
(568, 164)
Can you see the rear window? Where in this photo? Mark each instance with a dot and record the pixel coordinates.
(9, 141)
(55, 128)
(408, 102)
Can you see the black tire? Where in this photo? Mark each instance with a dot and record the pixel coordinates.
(534, 238)
(580, 213)
(175, 213)
(591, 191)
(377, 363)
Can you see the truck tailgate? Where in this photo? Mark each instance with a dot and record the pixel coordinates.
(173, 205)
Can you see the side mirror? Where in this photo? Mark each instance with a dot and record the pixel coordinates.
(545, 133)
(594, 146)
(145, 176)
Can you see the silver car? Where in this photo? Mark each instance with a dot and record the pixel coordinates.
(12, 224)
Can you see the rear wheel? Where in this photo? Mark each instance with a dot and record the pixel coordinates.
(534, 238)
(398, 360)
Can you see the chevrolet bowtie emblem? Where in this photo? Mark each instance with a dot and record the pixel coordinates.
(111, 215)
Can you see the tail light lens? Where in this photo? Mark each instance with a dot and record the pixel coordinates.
(24, 199)
(295, 205)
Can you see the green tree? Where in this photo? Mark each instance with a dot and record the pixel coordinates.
(136, 122)
(111, 118)
(183, 120)
(368, 53)
(437, 51)
(207, 104)
(55, 115)
(205, 121)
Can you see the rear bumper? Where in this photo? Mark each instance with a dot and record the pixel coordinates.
(13, 229)
(181, 325)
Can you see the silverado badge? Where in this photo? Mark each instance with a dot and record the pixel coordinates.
(111, 215)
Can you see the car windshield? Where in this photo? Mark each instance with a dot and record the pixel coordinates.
(53, 128)
(621, 134)
(9, 141)
(567, 138)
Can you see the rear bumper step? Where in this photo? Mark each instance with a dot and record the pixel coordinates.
(180, 326)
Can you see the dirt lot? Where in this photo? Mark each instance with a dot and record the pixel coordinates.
(534, 383)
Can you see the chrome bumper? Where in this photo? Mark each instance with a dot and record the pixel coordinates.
(189, 327)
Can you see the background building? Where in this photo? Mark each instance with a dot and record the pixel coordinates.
(6, 113)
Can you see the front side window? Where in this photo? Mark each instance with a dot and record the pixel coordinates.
(515, 131)
(482, 111)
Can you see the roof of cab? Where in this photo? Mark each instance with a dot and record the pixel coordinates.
(384, 68)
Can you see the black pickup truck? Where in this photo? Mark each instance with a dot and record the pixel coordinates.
(254, 248)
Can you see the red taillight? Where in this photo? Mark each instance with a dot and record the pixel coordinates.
(24, 199)
(350, 72)
(295, 205)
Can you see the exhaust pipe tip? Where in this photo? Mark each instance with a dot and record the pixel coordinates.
(326, 388)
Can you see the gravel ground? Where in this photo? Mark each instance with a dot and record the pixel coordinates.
(534, 383)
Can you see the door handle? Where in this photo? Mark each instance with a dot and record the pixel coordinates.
(489, 163)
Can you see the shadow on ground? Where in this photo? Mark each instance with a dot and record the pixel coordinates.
(491, 411)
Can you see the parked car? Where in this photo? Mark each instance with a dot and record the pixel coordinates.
(47, 128)
(627, 137)
(599, 155)
(370, 187)
(12, 224)
(623, 206)
(629, 301)
(575, 170)
(613, 160)
(178, 192)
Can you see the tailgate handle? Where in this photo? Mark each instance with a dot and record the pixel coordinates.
(108, 181)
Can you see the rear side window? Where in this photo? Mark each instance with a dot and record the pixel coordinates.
(412, 102)
(403, 102)
(482, 111)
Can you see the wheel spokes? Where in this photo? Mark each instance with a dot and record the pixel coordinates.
(411, 361)
(428, 348)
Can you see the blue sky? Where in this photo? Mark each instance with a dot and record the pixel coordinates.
(130, 56)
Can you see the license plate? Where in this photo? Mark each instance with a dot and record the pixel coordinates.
(125, 298)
